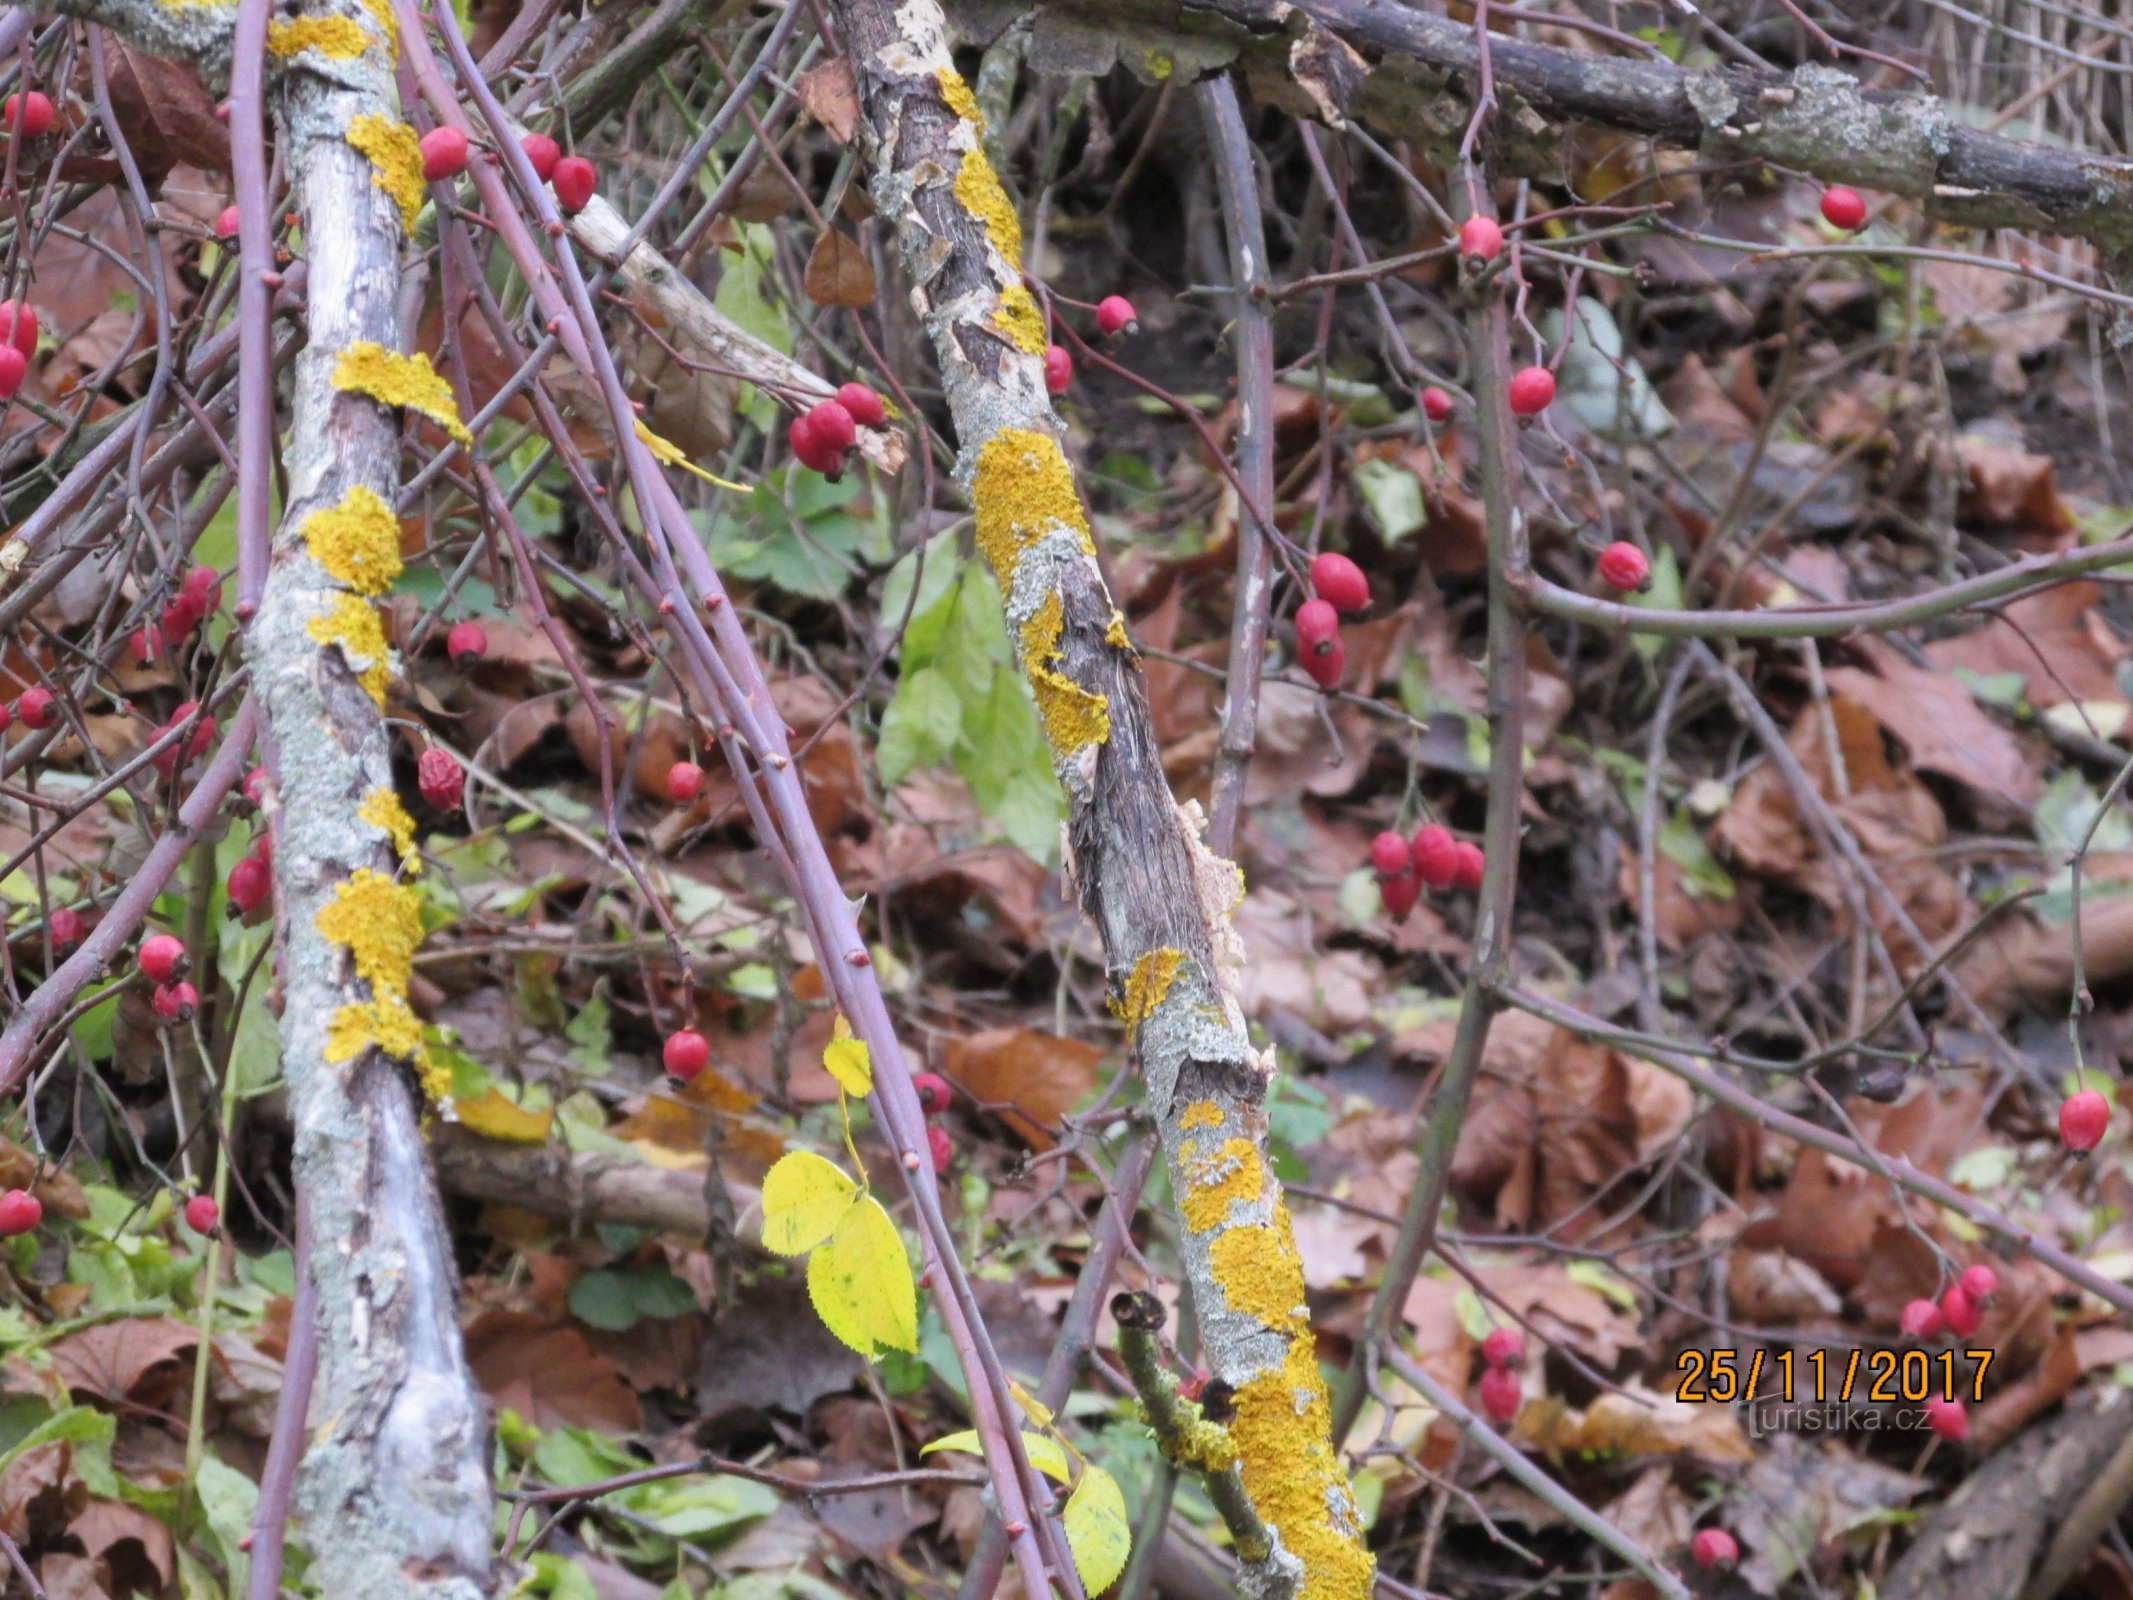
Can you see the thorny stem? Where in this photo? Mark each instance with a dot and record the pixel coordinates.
(285, 1450)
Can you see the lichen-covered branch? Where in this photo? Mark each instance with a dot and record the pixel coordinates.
(1159, 898)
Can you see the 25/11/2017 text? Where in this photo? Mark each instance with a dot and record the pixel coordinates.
(1721, 1377)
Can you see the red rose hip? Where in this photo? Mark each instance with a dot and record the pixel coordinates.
(466, 643)
(31, 112)
(227, 223)
(1532, 391)
(202, 1215)
(18, 325)
(163, 958)
(1960, 1311)
(1325, 667)
(1114, 314)
(1388, 854)
(65, 927)
(1623, 566)
(932, 1091)
(176, 1002)
(1921, 1319)
(1712, 1548)
(574, 181)
(1500, 1395)
(1471, 866)
(248, 886)
(440, 779)
(2083, 1119)
(1436, 404)
(862, 404)
(1504, 1347)
(1480, 241)
(35, 708)
(1399, 894)
(444, 153)
(542, 153)
(1318, 628)
(685, 781)
(1058, 369)
(1980, 1282)
(940, 1146)
(1436, 855)
(1339, 582)
(685, 1054)
(20, 1212)
(14, 367)
(1948, 1419)
(1843, 208)
(831, 428)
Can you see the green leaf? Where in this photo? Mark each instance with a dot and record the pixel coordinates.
(920, 725)
(558, 1578)
(228, 1498)
(1683, 844)
(618, 1298)
(861, 1282)
(567, 1457)
(804, 1198)
(1394, 497)
(699, 1508)
(1097, 1530)
(75, 1425)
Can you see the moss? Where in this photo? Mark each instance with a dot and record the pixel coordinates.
(395, 156)
(381, 808)
(336, 38)
(357, 541)
(956, 93)
(1018, 321)
(1213, 1183)
(352, 623)
(397, 380)
(1022, 489)
(1260, 1273)
(1073, 717)
(977, 187)
(1200, 1114)
(380, 923)
(1144, 989)
(1283, 1430)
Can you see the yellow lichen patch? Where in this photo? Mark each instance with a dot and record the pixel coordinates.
(977, 186)
(1023, 487)
(397, 380)
(1231, 1172)
(381, 12)
(337, 38)
(1206, 1447)
(380, 922)
(1115, 633)
(958, 96)
(381, 808)
(1292, 1477)
(352, 623)
(1073, 716)
(389, 1024)
(357, 541)
(1144, 989)
(1018, 321)
(395, 155)
(1260, 1272)
(1200, 1114)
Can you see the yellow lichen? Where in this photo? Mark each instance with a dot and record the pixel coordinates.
(395, 156)
(1205, 1447)
(958, 96)
(337, 38)
(1072, 716)
(1259, 1271)
(357, 541)
(1115, 633)
(1144, 989)
(977, 186)
(1159, 64)
(1201, 1114)
(1213, 1183)
(352, 623)
(381, 12)
(1283, 1430)
(1018, 321)
(397, 380)
(1021, 490)
(381, 808)
(389, 1024)
(380, 922)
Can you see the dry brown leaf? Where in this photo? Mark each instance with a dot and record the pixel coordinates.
(838, 273)
(2011, 488)
(2057, 640)
(109, 1359)
(126, 1539)
(1769, 1287)
(549, 1375)
(1029, 1079)
(1939, 721)
(826, 94)
(1633, 1422)
(1654, 1512)
(164, 112)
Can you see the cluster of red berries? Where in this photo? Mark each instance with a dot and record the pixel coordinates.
(18, 327)
(1713, 1549)
(1959, 1310)
(1114, 315)
(824, 434)
(1501, 1352)
(1337, 585)
(199, 596)
(163, 961)
(2084, 1118)
(179, 754)
(933, 1097)
(1432, 859)
(573, 178)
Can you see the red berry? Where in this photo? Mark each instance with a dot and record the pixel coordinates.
(1843, 208)
(65, 927)
(466, 643)
(1532, 391)
(31, 112)
(263, 847)
(247, 887)
(1318, 628)
(685, 781)
(14, 367)
(1114, 314)
(20, 1211)
(940, 1146)
(800, 435)
(35, 708)
(932, 1091)
(1388, 854)
(685, 1054)
(180, 618)
(175, 1002)
(863, 404)
(189, 748)
(1471, 865)
(18, 325)
(1500, 1395)
(1339, 582)
(1436, 856)
(1399, 893)
(202, 1215)
(1948, 1419)
(2083, 1117)
(1960, 1311)
(1713, 1547)
(1326, 667)
(1980, 1282)
(1623, 566)
(1480, 241)
(226, 223)
(147, 643)
(201, 588)
(1058, 369)
(574, 181)
(1504, 1347)
(163, 958)
(255, 786)
(1436, 404)
(1921, 1319)
(830, 425)
(440, 779)
(444, 153)
(543, 152)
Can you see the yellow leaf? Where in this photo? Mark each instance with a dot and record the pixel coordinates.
(1044, 1452)
(965, 1442)
(847, 1060)
(667, 451)
(804, 1198)
(491, 1115)
(1033, 1408)
(1097, 1530)
(861, 1283)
